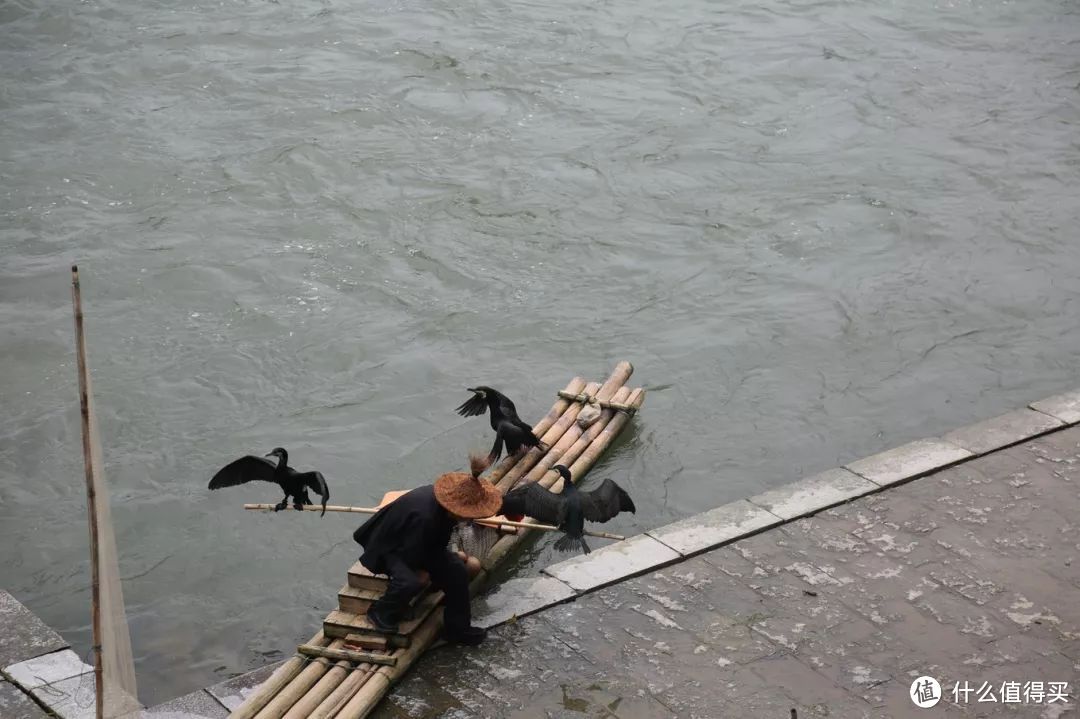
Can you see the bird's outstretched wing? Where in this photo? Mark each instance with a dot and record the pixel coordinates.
(475, 405)
(536, 502)
(604, 502)
(246, 469)
(317, 484)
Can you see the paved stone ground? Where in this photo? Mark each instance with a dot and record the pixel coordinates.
(971, 574)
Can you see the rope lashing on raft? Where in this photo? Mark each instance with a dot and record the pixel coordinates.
(603, 403)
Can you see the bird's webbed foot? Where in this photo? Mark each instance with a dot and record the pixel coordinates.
(281, 505)
(298, 506)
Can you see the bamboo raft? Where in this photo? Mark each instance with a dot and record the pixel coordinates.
(347, 667)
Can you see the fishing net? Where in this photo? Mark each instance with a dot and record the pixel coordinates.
(117, 664)
(118, 691)
(474, 540)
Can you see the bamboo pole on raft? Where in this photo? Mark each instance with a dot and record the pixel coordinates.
(546, 476)
(298, 687)
(326, 686)
(342, 694)
(277, 681)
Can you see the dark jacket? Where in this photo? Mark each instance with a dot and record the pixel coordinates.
(415, 527)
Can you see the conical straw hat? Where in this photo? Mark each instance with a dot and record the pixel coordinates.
(465, 494)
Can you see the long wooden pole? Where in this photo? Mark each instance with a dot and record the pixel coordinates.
(495, 524)
(91, 498)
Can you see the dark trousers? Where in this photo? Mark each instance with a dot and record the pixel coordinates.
(447, 574)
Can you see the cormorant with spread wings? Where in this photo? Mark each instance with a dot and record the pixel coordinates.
(509, 429)
(294, 484)
(568, 510)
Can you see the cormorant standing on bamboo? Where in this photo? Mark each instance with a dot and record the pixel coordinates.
(294, 484)
(509, 428)
(568, 510)
(408, 538)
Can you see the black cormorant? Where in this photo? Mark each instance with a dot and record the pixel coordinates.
(294, 484)
(504, 420)
(568, 510)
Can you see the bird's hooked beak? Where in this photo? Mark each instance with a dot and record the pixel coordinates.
(275, 453)
(479, 392)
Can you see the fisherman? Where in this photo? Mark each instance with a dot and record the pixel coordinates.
(408, 538)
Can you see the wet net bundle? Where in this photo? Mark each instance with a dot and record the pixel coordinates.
(473, 539)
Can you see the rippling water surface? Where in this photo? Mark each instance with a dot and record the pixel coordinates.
(817, 229)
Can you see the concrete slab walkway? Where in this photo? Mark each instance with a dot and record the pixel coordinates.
(969, 575)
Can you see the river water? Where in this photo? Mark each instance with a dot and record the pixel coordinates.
(817, 229)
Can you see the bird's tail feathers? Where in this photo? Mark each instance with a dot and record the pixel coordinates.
(567, 543)
(478, 463)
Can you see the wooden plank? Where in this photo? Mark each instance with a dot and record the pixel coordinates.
(356, 601)
(365, 641)
(361, 577)
(340, 624)
(347, 655)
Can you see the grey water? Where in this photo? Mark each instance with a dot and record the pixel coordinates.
(818, 229)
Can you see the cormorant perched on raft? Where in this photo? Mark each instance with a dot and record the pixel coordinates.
(294, 484)
(569, 510)
(504, 420)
